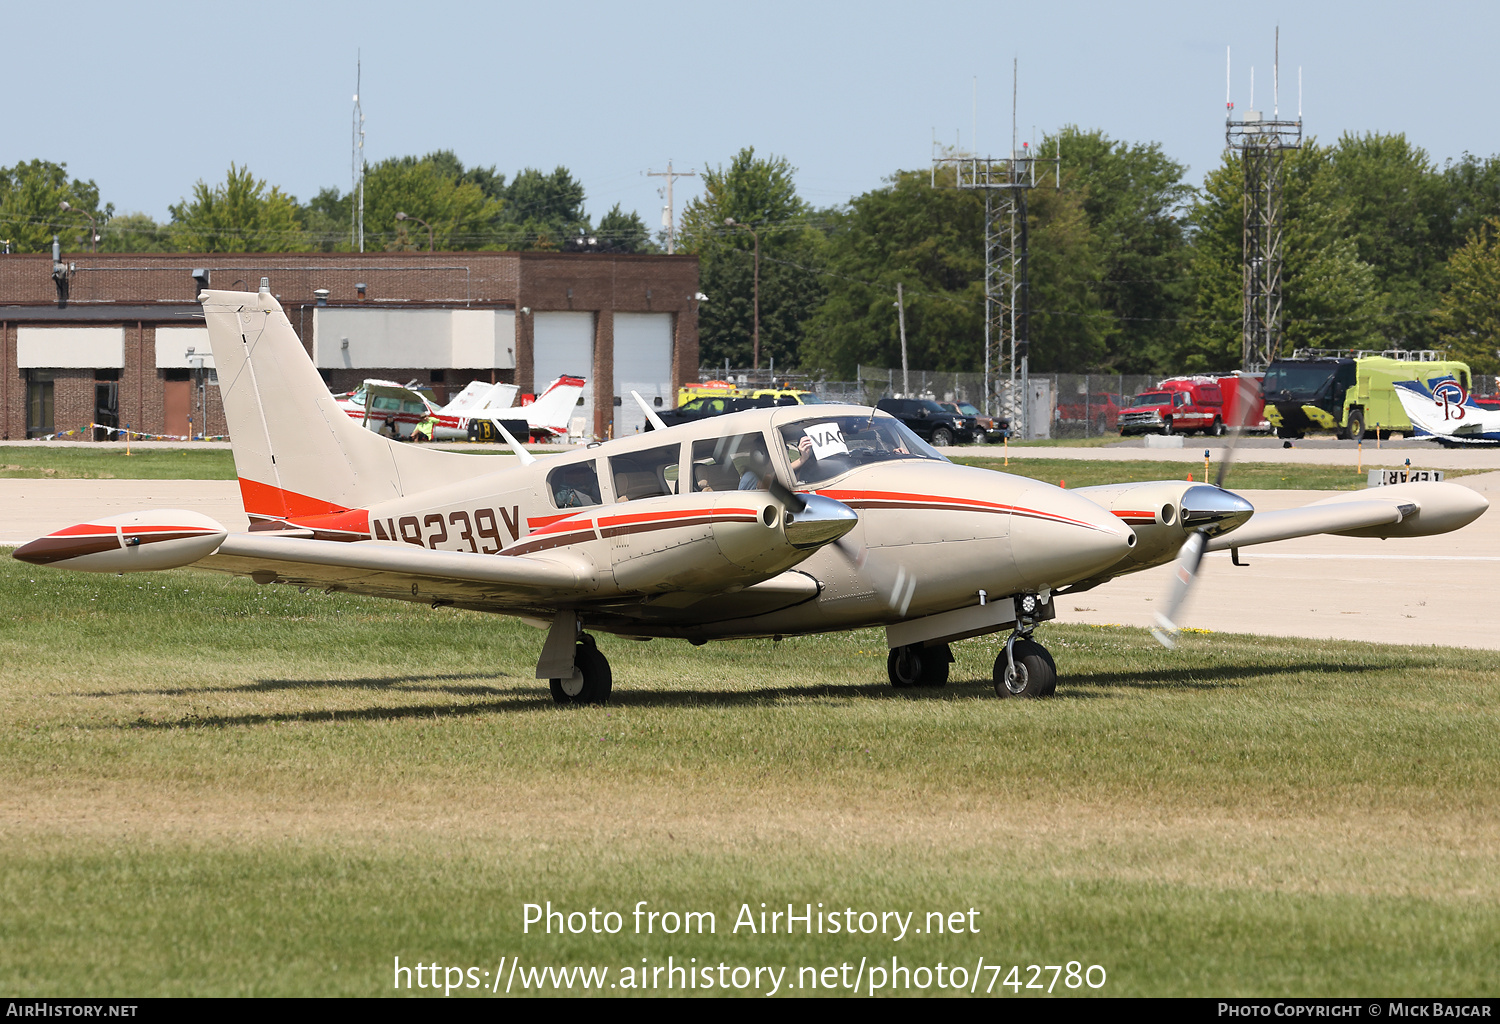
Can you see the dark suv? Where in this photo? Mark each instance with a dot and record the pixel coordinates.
(930, 421)
(711, 405)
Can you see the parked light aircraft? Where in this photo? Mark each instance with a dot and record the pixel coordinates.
(769, 522)
(1444, 412)
(378, 402)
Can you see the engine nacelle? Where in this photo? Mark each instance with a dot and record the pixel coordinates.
(133, 542)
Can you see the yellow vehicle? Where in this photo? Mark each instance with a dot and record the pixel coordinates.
(708, 389)
(723, 389)
(1348, 396)
(786, 396)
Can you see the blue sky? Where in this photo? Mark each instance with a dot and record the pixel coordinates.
(146, 102)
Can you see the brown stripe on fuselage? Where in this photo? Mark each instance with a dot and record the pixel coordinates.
(45, 550)
(667, 524)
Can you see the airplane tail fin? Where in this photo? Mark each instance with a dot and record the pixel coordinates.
(295, 451)
(553, 408)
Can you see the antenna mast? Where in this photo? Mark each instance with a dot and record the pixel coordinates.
(357, 165)
(1005, 182)
(1262, 144)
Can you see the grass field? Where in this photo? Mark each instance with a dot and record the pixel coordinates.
(110, 463)
(209, 787)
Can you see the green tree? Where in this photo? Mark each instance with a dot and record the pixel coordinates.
(543, 210)
(1473, 187)
(327, 221)
(31, 198)
(461, 215)
(619, 231)
(756, 193)
(1397, 210)
(929, 240)
(239, 215)
(1330, 296)
(1468, 317)
(135, 232)
(1133, 199)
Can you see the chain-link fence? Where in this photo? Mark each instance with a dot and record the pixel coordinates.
(1061, 405)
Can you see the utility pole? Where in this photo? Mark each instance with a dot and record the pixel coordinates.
(668, 212)
(1262, 143)
(901, 317)
(357, 165)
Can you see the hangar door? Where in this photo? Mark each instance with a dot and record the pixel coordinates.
(643, 362)
(564, 343)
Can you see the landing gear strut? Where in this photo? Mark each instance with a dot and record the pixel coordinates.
(1024, 668)
(916, 665)
(591, 680)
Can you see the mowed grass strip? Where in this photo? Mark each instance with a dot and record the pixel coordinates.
(211, 787)
(113, 462)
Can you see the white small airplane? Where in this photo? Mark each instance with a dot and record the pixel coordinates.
(395, 409)
(765, 523)
(1447, 414)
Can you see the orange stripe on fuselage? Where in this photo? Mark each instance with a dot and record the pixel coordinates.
(267, 500)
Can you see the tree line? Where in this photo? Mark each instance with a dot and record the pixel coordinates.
(468, 208)
(1133, 269)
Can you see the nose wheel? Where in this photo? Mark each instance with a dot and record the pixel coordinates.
(915, 665)
(1024, 669)
(591, 680)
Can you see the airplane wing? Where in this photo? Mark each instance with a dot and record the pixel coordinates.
(1401, 510)
(404, 571)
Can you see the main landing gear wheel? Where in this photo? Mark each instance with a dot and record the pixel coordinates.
(915, 665)
(591, 680)
(1035, 672)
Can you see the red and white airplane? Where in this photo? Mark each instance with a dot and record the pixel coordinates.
(395, 409)
(765, 523)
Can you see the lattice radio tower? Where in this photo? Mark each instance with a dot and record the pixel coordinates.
(1262, 144)
(1005, 182)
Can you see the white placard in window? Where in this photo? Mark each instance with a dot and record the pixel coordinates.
(826, 440)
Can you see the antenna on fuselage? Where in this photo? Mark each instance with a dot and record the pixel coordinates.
(522, 455)
(655, 420)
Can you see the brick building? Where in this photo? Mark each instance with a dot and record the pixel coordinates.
(118, 338)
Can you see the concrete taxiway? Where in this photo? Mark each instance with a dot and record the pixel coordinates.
(1431, 590)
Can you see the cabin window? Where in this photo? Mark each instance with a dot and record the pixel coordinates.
(575, 486)
(736, 462)
(648, 474)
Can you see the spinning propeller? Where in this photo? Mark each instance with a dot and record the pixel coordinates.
(1206, 510)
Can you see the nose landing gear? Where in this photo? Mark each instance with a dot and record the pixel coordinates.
(1024, 668)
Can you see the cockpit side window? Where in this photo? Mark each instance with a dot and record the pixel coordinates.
(734, 462)
(575, 486)
(647, 474)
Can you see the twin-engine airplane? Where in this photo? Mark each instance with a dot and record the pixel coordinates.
(770, 522)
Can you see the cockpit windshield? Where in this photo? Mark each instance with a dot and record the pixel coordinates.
(820, 449)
